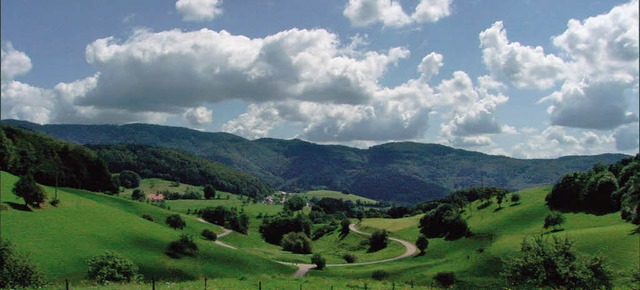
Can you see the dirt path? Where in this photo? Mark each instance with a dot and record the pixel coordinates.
(304, 268)
(225, 232)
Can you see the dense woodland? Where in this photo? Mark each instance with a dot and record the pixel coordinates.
(177, 165)
(52, 161)
(401, 172)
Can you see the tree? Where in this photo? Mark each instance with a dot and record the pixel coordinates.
(175, 221)
(515, 198)
(349, 258)
(209, 235)
(209, 191)
(295, 203)
(111, 267)
(443, 221)
(500, 195)
(138, 195)
(273, 228)
(32, 193)
(445, 279)
(378, 240)
(320, 261)
(422, 244)
(17, 271)
(553, 219)
(129, 179)
(544, 263)
(185, 246)
(344, 227)
(296, 242)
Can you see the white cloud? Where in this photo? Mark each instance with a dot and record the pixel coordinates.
(257, 122)
(24, 102)
(14, 63)
(170, 70)
(390, 12)
(472, 116)
(601, 105)
(199, 116)
(524, 66)
(556, 141)
(199, 10)
(626, 138)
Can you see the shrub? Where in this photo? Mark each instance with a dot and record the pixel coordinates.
(185, 246)
(422, 244)
(321, 231)
(379, 275)
(515, 198)
(296, 242)
(553, 264)
(378, 240)
(147, 216)
(129, 179)
(209, 235)
(175, 221)
(137, 195)
(17, 271)
(445, 279)
(349, 258)
(111, 267)
(55, 202)
(32, 193)
(319, 260)
(553, 219)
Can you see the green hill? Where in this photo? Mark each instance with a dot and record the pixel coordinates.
(498, 234)
(60, 239)
(402, 172)
(178, 165)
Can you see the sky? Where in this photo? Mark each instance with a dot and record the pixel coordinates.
(521, 78)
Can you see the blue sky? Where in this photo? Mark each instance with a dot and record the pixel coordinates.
(525, 79)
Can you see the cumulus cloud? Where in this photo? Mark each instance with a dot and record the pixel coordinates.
(397, 113)
(391, 13)
(171, 70)
(556, 141)
(199, 116)
(626, 138)
(14, 62)
(472, 117)
(199, 10)
(524, 66)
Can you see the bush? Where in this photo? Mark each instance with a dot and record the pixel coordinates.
(445, 279)
(175, 221)
(147, 216)
(111, 267)
(553, 219)
(349, 258)
(515, 198)
(17, 271)
(378, 240)
(379, 275)
(185, 246)
(138, 195)
(209, 235)
(553, 264)
(319, 260)
(321, 231)
(32, 193)
(296, 242)
(129, 179)
(55, 202)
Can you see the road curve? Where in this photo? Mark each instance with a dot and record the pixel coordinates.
(225, 232)
(304, 268)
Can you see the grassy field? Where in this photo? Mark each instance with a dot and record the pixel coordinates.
(87, 224)
(335, 194)
(499, 233)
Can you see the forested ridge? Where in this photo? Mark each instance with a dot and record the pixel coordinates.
(177, 165)
(403, 172)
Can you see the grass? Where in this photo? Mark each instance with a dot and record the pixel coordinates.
(87, 224)
(319, 194)
(499, 234)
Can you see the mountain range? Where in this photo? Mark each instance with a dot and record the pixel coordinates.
(404, 172)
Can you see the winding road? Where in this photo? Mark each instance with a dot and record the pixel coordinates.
(304, 268)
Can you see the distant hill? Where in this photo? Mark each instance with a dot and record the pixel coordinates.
(178, 165)
(401, 172)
